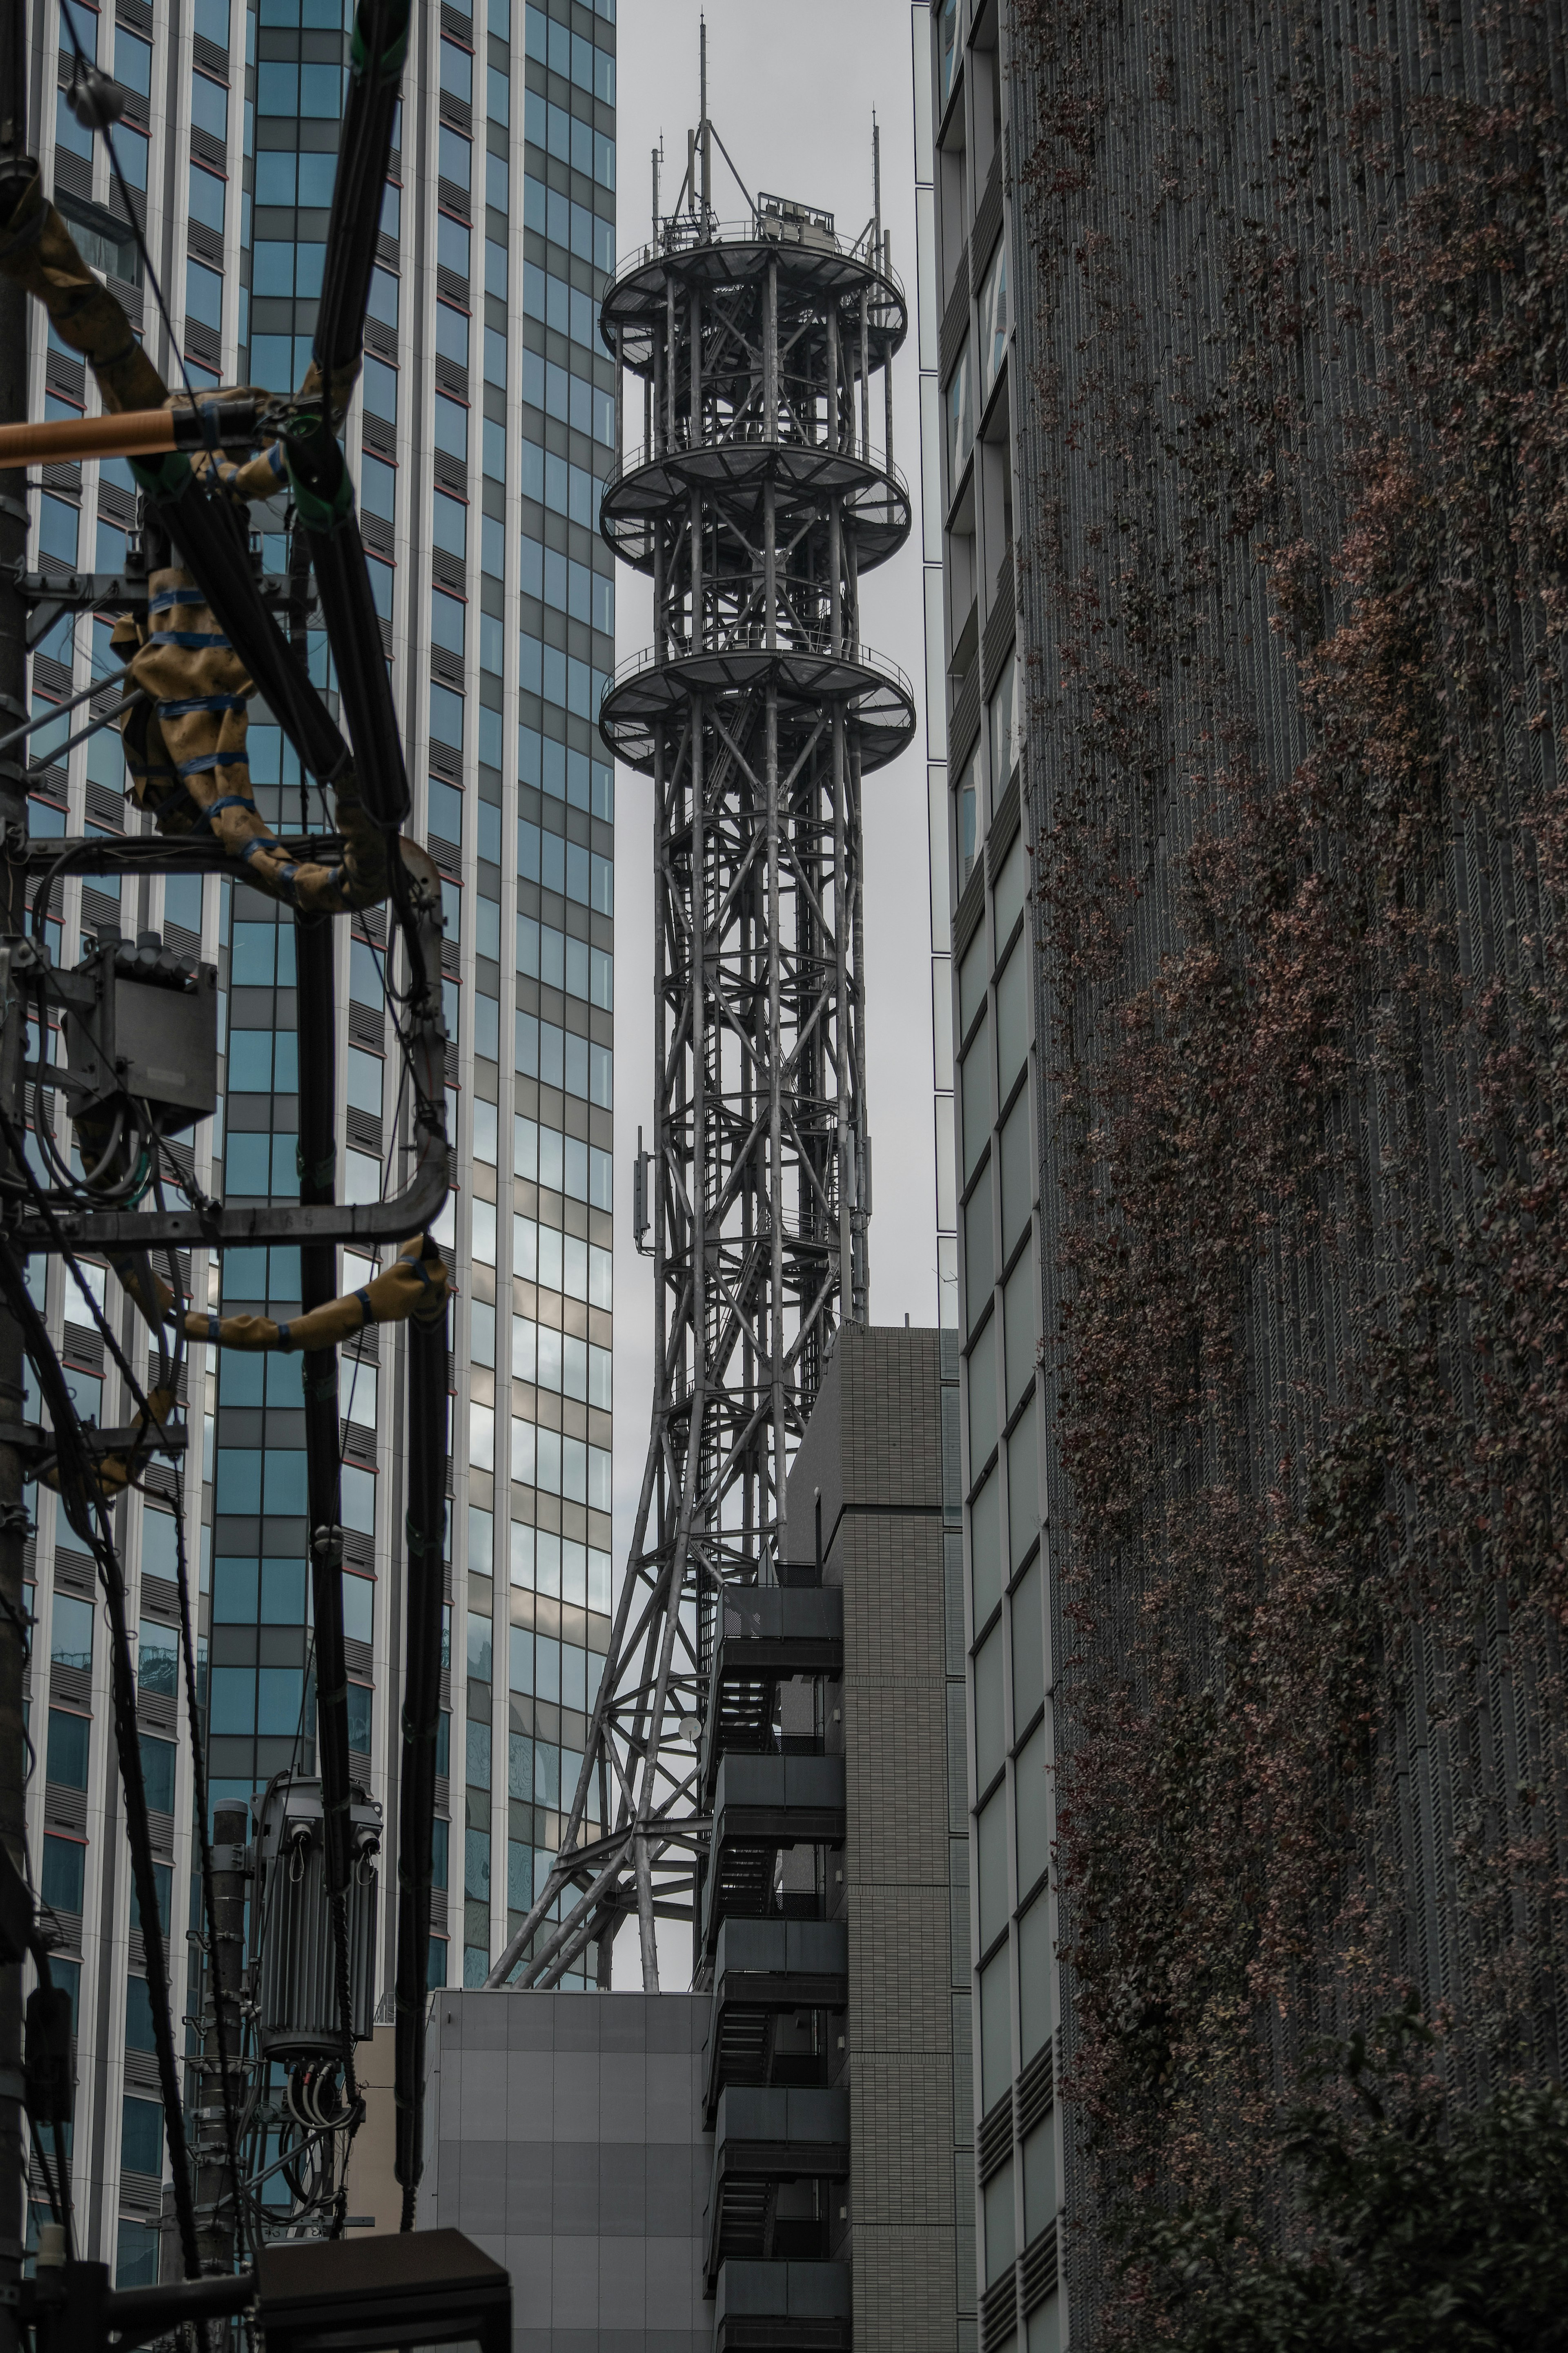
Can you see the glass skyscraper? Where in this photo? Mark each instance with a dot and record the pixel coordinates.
(479, 438)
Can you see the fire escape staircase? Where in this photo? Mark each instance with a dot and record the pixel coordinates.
(780, 1985)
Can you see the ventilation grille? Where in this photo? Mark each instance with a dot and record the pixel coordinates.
(1037, 2269)
(1036, 2091)
(988, 218)
(998, 2312)
(995, 2144)
(999, 627)
(954, 319)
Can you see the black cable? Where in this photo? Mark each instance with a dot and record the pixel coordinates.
(106, 1330)
(198, 1753)
(319, 1371)
(84, 1505)
(154, 1426)
(107, 719)
(87, 72)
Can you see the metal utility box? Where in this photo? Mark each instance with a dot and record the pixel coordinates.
(147, 1030)
(293, 1971)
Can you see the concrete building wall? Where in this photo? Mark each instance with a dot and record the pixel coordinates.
(566, 2140)
(872, 1461)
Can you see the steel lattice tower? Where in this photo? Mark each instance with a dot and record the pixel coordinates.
(755, 505)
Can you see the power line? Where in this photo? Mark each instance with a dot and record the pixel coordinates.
(95, 94)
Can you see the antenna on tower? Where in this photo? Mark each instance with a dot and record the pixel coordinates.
(876, 188)
(705, 131)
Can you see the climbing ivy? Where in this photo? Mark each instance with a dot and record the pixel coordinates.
(1294, 401)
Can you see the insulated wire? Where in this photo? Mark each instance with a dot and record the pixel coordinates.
(87, 71)
(198, 1752)
(134, 1384)
(84, 1505)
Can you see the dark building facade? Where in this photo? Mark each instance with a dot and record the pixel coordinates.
(1259, 449)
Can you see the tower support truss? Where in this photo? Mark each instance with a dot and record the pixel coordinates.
(755, 503)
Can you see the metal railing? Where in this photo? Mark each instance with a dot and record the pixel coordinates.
(751, 638)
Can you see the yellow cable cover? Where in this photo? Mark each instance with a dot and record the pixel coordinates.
(37, 250)
(116, 1471)
(415, 1283)
(188, 767)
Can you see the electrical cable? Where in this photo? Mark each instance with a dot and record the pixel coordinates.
(198, 1753)
(152, 1426)
(88, 76)
(324, 1461)
(106, 719)
(84, 1505)
(57, 711)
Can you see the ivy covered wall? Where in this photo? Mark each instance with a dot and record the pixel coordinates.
(1294, 546)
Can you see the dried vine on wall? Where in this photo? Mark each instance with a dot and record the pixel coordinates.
(1296, 387)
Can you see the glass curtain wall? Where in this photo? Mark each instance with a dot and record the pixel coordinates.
(480, 440)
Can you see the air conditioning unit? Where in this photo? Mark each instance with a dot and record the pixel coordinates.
(293, 1961)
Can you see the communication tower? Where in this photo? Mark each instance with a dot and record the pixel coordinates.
(757, 501)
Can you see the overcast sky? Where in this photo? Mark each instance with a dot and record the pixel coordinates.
(791, 92)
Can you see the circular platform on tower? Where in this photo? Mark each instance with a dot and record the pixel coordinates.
(719, 255)
(653, 484)
(650, 700)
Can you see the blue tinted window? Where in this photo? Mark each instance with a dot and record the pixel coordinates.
(142, 2138)
(158, 1773)
(234, 1592)
(209, 105)
(280, 1701)
(69, 1738)
(318, 172)
(479, 1647)
(361, 1700)
(139, 2035)
(283, 1593)
(70, 1639)
(232, 1700)
(60, 1882)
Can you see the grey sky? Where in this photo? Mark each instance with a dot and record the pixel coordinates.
(791, 91)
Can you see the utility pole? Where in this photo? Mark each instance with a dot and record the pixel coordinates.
(13, 839)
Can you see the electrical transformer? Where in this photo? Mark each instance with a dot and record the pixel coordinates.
(293, 1964)
(140, 1025)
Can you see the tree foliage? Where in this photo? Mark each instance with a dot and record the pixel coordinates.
(1419, 2226)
